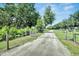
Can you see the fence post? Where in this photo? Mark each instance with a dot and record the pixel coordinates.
(75, 38)
(7, 41)
(66, 34)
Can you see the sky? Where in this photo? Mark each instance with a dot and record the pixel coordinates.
(39, 1)
(61, 10)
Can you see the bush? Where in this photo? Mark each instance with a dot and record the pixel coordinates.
(27, 30)
(46, 30)
(50, 27)
(3, 33)
(19, 32)
(40, 26)
(34, 29)
(13, 32)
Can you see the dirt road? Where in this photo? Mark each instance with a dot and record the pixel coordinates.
(46, 45)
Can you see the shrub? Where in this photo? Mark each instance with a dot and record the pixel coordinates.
(50, 27)
(27, 30)
(13, 32)
(34, 29)
(3, 33)
(40, 26)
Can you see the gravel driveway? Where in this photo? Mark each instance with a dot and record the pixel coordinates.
(46, 45)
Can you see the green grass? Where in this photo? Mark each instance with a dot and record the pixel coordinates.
(73, 48)
(17, 42)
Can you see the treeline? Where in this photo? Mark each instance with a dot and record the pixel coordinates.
(70, 23)
(18, 15)
(19, 19)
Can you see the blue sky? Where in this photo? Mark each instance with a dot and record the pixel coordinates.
(61, 10)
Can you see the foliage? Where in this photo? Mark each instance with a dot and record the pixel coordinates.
(34, 29)
(40, 25)
(70, 23)
(27, 15)
(13, 32)
(50, 27)
(18, 19)
(18, 15)
(49, 16)
(3, 33)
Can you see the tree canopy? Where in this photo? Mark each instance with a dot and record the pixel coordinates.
(49, 16)
(72, 21)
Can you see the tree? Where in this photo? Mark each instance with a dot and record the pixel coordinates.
(27, 15)
(10, 10)
(8, 15)
(40, 25)
(49, 16)
(75, 16)
(19, 15)
(1, 17)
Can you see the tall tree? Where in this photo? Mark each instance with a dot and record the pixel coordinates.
(76, 18)
(10, 10)
(9, 14)
(49, 16)
(27, 14)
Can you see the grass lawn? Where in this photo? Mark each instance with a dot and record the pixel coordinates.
(73, 48)
(17, 42)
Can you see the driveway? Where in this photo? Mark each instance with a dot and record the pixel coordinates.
(46, 45)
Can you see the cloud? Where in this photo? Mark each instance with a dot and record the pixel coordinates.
(68, 7)
(65, 4)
